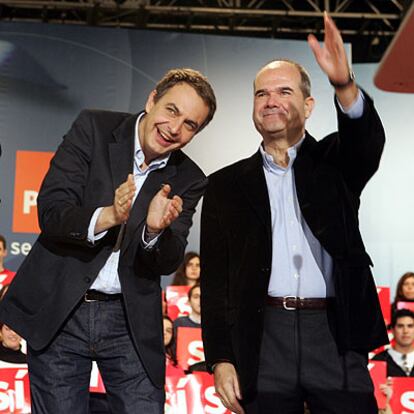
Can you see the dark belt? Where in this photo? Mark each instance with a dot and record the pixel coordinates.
(95, 295)
(294, 302)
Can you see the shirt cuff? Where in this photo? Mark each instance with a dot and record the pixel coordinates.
(148, 242)
(356, 109)
(92, 237)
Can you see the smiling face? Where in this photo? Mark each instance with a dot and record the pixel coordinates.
(10, 339)
(172, 121)
(280, 109)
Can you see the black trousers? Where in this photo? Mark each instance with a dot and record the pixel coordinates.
(299, 362)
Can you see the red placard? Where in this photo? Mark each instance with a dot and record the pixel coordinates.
(406, 305)
(177, 301)
(384, 297)
(190, 348)
(6, 277)
(14, 389)
(192, 394)
(402, 401)
(378, 372)
(96, 384)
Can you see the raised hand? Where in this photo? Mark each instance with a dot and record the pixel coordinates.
(162, 210)
(332, 56)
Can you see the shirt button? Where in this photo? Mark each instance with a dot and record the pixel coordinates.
(296, 275)
(294, 247)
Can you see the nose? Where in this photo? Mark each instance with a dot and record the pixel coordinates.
(175, 126)
(272, 100)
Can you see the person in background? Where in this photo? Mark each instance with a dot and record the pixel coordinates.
(6, 275)
(193, 320)
(11, 346)
(405, 290)
(169, 340)
(400, 357)
(188, 273)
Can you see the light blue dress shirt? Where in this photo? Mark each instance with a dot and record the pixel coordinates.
(107, 280)
(300, 265)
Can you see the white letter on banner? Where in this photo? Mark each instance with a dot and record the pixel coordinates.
(29, 200)
(195, 349)
(407, 401)
(211, 397)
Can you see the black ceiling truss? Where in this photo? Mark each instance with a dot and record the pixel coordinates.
(368, 24)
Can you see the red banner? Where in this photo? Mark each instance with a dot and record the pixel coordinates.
(177, 301)
(385, 302)
(192, 394)
(190, 348)
(378, 372)
(402, 401)
(14, 389)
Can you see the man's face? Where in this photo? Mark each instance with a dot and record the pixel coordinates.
(404, 331)
(172, 121)
(195, 300)
(280, 109)
(3, 254)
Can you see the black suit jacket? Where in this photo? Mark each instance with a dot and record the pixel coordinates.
(93, 160)
(236, 244)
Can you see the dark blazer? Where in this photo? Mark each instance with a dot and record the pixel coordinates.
(93, 160)
(393, 369)
(236, 244)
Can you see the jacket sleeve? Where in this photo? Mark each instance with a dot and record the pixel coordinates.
(360, 145)
(216, 324)
(61, 213)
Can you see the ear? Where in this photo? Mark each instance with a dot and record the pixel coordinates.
(150, 101)
(309, 105)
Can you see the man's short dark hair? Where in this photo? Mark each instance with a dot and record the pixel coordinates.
(3, 240)
(305, 82)
(190, 292)
(196, 80)
(401, 313)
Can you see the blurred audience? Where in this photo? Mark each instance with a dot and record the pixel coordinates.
(188, 273)
(11, 346)
(405, 290)
(193, 320)
(6, 275)
(169, 341)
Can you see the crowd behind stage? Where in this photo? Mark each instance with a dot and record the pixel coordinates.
(184, 350)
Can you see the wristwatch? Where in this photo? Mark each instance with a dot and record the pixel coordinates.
(344, 84)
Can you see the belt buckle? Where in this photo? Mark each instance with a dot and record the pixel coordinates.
(285, 299)
(85, 298)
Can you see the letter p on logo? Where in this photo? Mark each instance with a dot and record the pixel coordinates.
(31, 167)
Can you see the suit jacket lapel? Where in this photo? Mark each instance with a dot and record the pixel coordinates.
(121, 152)
(252, 183)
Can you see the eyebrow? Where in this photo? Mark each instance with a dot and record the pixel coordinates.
(279, 88)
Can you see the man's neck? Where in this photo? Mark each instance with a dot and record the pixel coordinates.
(195, 317)
(404, 349)
(278, 148)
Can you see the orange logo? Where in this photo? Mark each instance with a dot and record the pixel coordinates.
(31, 167)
